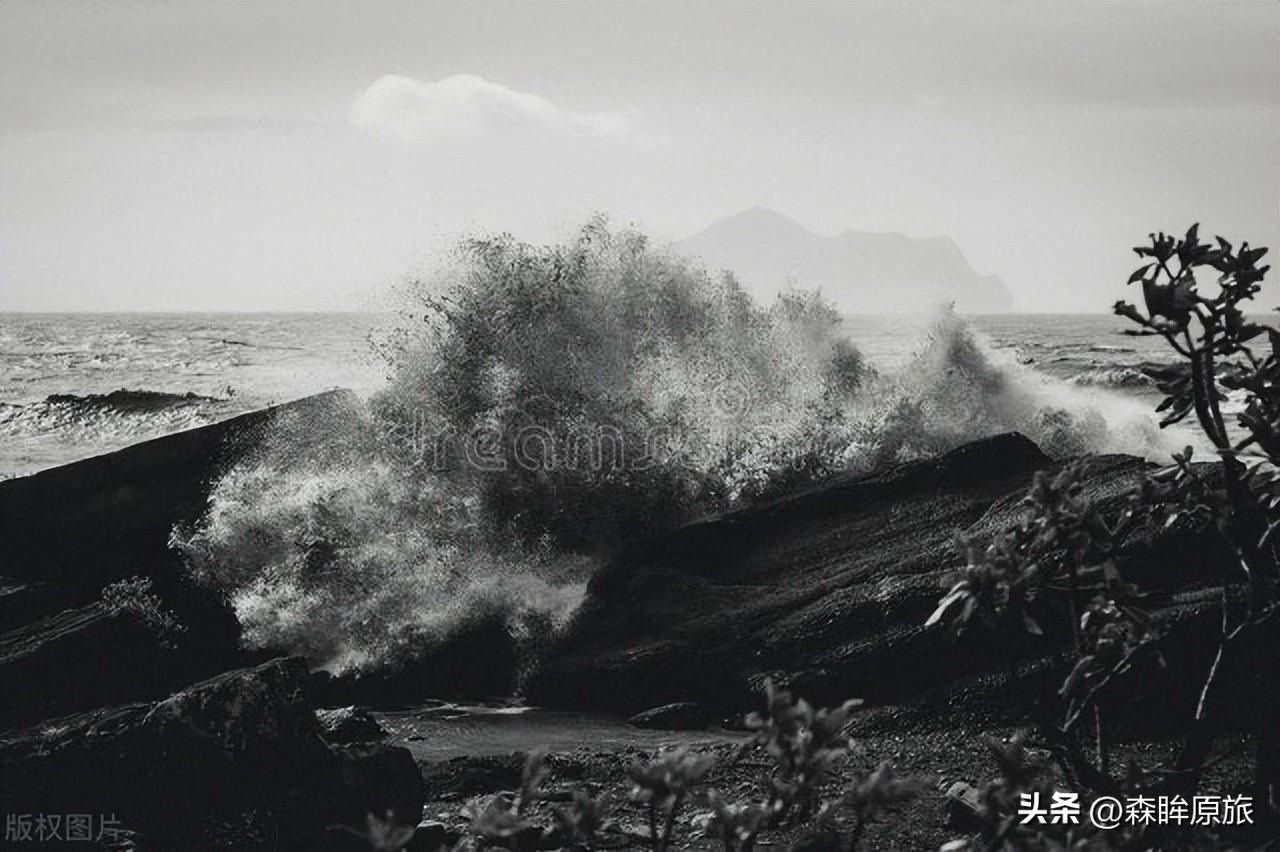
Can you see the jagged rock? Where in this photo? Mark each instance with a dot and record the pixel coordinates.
(830, 587)
(680, 716)
(243, 749)
(349, 725)
(377, 779)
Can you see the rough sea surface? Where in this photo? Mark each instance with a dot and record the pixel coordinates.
(76, 385)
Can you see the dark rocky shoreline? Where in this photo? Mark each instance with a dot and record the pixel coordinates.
(197, 743)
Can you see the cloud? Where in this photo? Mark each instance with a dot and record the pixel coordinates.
(466, 103)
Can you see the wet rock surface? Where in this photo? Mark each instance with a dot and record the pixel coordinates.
(826, 591)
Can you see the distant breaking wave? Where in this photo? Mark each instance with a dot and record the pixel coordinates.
(91, 418)
(360, 535)
(1114, 377)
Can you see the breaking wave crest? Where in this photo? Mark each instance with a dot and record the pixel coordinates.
(363, 533)
(89, 418)
(1114, 377)
(959, 387)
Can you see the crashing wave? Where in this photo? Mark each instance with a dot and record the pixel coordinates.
(959, 387)
(550, 403)
(326, 548)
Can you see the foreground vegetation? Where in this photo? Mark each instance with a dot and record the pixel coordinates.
(1066, 549)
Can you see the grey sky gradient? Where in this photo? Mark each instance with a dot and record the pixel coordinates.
(271, 155)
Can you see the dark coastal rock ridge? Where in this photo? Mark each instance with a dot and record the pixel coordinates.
(859, 272)
(67, 532)
(828, 591)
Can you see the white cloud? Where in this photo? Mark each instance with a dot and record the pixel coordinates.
(466, 103)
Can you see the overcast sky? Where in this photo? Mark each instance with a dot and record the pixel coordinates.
(270, 155)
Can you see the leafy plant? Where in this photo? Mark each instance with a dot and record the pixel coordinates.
(133, 597)
(1241, 498)
(663, 786)
(1064, 548)
(804, 743)
(502, 821)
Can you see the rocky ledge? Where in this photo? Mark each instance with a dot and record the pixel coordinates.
(828, 591)
(234, 762)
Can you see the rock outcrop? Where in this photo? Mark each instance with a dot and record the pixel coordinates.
(229, 759)
(237, 761)
(67, 532)
(826, 591)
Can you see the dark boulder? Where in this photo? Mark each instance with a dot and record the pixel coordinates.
(680, 716)
(372, 778)
(78, 659)
(91, 522)
(235, 759)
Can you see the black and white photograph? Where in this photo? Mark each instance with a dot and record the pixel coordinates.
(591, 425)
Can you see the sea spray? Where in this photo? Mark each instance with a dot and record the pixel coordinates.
(599, 390)
(326, 546)
(548, 405)
(544, 407)
(959, 387)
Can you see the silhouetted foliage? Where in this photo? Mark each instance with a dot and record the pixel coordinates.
(1065, 548)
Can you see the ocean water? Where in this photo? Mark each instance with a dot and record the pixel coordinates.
(76, 385)
(62, 375)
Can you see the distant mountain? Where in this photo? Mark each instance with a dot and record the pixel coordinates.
(860, 272)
